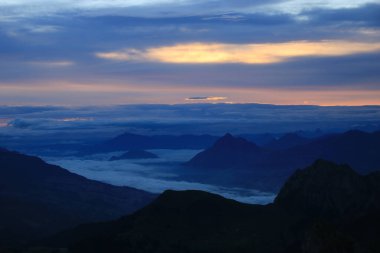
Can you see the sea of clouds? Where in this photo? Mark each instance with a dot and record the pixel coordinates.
(153, 175)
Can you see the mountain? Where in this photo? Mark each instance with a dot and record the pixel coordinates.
(128, 141)
(331, 190)
(134, 154)
(267, 169)
(260, 139)
(287, 141)
(38, 199)
(187, 221)
(358, 149)
(226, 153)
(323, 208)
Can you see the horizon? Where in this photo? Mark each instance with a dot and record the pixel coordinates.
(185, 103)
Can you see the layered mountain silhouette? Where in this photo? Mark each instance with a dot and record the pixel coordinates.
(38, 199)
(134, 154)
(287, 141)
(323, 208)
(227, 152)
(272, 166)
(129, 141)
(358, 149)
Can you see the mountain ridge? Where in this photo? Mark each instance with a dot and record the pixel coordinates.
(39, 199)
(195, 221)
(271, 167)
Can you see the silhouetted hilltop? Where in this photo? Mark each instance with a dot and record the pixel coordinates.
(325, 188)
(38, 199)
(134, 154)
(227, 152)
(300, 220)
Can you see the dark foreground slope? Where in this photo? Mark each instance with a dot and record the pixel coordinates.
(323, 208)
(38, 199)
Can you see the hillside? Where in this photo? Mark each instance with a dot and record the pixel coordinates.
(38, 199)
(194, 221)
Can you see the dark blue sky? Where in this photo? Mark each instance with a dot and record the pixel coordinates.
(68, 52)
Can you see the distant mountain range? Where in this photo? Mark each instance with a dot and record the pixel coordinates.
(276, 162)
(323, 208)
(286, 141)
(128, 141)
(38, 199)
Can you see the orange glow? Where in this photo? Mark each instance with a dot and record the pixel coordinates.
(202, 53)
(205, 98)
(4, 122)
(67, 93)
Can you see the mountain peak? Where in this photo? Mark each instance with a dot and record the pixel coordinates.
(228, 136)
(230, 141)
(329, 189)
(227, 152)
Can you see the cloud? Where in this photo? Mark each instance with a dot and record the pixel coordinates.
(12, 9)
(367, 15)
(43, 29)
(298, 6)
(16, 9)
(49, 59)
(265, 53)
(154, 176)
(52, 64)
(206, 98)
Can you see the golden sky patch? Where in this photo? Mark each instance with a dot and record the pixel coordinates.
(217, 53)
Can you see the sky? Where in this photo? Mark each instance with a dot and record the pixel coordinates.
(102, 52)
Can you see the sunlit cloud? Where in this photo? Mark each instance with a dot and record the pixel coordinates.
(43, 28)
(202, 99)
(76, 119)
(216, 53)
(52, 64)
(4, 122)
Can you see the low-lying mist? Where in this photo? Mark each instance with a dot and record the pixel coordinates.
(153, 175)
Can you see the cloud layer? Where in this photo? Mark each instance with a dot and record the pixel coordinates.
(266, 53)
(111, 52)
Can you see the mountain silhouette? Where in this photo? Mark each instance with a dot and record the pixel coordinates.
(227, 152)
(287, 141)
(324, 217)
(325, 188)
(267, 168)
(134, 154)
(358, 149)
(38, 199)
(129, 141)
